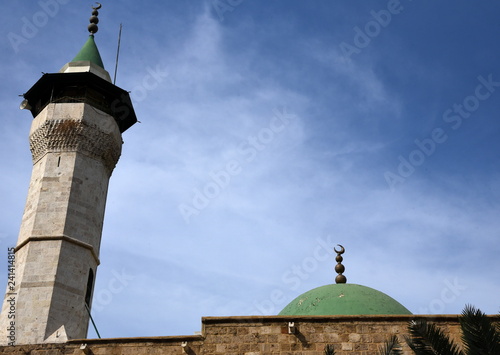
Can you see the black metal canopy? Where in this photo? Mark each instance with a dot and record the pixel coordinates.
(82, 87)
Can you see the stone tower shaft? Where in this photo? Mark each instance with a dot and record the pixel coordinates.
(74, 148)
(75, 141)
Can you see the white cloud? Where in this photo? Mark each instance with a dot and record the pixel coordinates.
(318, 176)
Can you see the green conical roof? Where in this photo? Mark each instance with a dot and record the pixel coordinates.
(343, 299)
(89, 52)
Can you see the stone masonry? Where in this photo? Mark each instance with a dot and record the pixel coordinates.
(268, 335)
(74, 148)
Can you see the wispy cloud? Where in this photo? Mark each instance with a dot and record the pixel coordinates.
(219, 90)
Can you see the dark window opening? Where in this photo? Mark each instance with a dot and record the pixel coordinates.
(90, 285)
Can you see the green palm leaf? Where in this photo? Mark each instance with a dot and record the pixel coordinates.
(427, 339)
(391, 347)
(479, 335)
(329, 350)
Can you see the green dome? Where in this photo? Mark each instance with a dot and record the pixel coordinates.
(343, 299)
(89, 52)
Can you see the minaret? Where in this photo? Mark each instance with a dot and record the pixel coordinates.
(75, 141)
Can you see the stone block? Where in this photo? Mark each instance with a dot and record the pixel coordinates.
(347, 346)
(354, 337)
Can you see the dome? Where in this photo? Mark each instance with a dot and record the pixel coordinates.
(343, 299)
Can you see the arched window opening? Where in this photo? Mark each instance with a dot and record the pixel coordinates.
(90, 285)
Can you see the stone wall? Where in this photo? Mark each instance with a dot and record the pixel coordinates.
(350, 335)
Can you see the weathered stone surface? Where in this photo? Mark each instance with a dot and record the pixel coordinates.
(75, 148)
(239, 335)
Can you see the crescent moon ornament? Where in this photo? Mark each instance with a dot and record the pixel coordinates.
(94, 20)
(339, 268)
(342, 250)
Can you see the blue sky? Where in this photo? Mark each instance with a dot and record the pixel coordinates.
(271, 131)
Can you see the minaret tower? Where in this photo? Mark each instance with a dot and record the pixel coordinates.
(75, 141)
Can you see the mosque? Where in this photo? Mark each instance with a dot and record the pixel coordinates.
(75, 140)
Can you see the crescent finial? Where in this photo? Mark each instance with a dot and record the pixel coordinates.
(342, 250)
(339, 268)
(94, 20)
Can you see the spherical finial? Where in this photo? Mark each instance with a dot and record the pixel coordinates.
(94, 20)
(93, 28)
(340, 279)
(339, 268)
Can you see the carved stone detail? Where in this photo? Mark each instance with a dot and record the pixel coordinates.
(69, 135)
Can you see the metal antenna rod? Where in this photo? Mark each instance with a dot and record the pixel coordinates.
(92, 319)
(118, 52)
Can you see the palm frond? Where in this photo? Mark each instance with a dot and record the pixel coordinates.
(329, 350)
(391, 347)
(479, 335)
(427, 339)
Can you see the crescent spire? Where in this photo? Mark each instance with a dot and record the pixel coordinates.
(339, 268)
(342, 250)
(94, 20)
